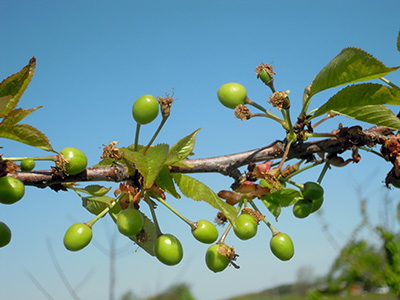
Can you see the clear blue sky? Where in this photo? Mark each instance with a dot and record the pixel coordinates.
(94, 58)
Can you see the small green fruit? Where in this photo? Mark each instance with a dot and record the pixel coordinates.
(317, 204)
(302, 208)
(232, 94)
(396, 182)
(11, 190)
(215, 261)
(312, 190)
(76, 160)
(5, 235)
(168, 249)
(145, 109)
(130, 222)
(245, 227)
(27, 165)
(205, 232)
(77, 237)
(281, 246)
(264, 76)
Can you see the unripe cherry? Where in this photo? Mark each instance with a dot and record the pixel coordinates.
(282, 246)
(232, 94)
(215, 261)
(205, 232)
(145, 109)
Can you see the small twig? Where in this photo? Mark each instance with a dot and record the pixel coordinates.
(38, 285)
(61, 272)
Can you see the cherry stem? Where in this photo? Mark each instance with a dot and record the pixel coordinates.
(389, 83)
(223, 236)
(137, 136)
(164, 119)
(327, 117)
(153, 214)
(270, 84)
(266, 114)
(50, 158)
(104, 211)
(286, 114)
(323, 172)
(285, 154)
(374, 152)
(166, 204)
(274, 231)
(302, 170)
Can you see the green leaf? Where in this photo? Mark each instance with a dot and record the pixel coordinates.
(285, 197)
(12, 88)
(164, 181)
(155, 157)
(273, 206)
(17, 115)
(351, 65)
(4, 101)
(106, 162)
(358, 96)
(374, 114)
(182, 148)
(96, 204)
(93, 190)
(196, 190)
(138, 160)
(26, 134)
(147, 237)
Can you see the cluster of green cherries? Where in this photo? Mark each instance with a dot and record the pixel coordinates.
(130, 222)
(231, 95)
(313, 197)
(12, 189)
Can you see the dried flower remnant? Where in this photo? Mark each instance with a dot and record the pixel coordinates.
(280, 100)
(110, 151)
(242, 112)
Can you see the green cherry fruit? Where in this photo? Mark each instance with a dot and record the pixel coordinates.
(245, 227)
(78, 236)
(205, 232)
(130, 222)
(11, 190)
(232, 94)
(302, 208)
(264, 76)
(317, 204)
(168, 249)
(27, 165)
(5, 235)
(281, 246)
(145, 109)
(312, 190)
(215, 261)
(396, 182)
(76, 160)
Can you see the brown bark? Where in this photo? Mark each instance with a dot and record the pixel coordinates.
(227, 165)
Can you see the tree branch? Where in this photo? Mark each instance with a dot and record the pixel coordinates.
(227, 165)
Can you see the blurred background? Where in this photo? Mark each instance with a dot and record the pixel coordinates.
(95, 58)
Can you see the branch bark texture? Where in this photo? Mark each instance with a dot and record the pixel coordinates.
(228, 165)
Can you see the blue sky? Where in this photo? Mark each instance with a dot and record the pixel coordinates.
(94, 58)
